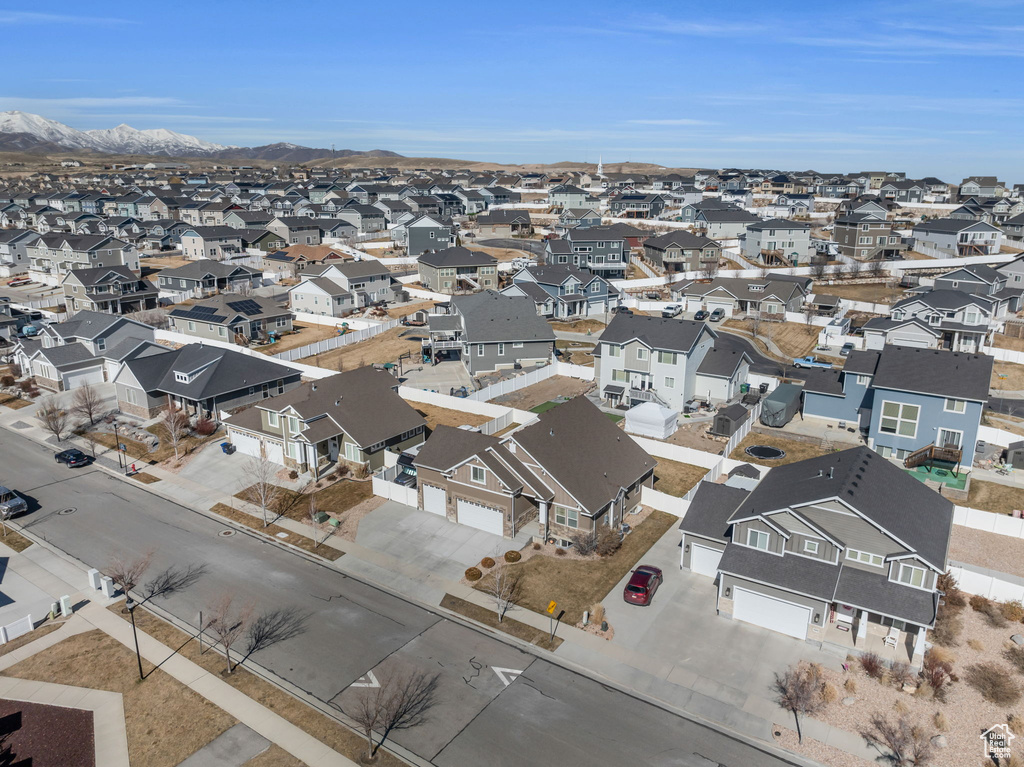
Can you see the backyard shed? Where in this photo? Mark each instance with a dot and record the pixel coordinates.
(649, 419)
(1015, 455)
(781, 405)
(728, 420)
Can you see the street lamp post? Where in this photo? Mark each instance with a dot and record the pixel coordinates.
(131, 605)
(117, 448)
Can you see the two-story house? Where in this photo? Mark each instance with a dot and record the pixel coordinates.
(568, 196)
(938, 319)
(636, 205)
(905, 399)
(114, 289)
(212, 242)
(547, 474)
(681, 251)
(458, 270)
(867, 237)
(53, 255)
(205, 277)
(231, 318)
(778, 241)
(424, 233)
(577, 217)
(504, 223)
(490, 331)
(769, 298)
(723, 223)
(843, 549)
(959, 237)
(602, 250)
(14, 244)
(903, 191)
(295, 230)
(337, 289)
(355, 417)
(561, 292)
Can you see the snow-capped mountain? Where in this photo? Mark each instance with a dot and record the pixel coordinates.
(123, 139)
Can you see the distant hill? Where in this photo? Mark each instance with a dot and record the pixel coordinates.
(293, 153)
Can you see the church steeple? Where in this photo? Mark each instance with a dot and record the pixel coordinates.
(600, 167)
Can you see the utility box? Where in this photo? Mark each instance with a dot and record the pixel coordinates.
(1015, 455)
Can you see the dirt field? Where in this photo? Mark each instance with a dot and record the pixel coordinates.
(1009, 342)
(795, 450)
(872, 292)
(989, 496)
(579, 326)
(442, 416)
(676, 478)
(386, 347)
(502, 254)
(1007, 376)
(305, 334)
(793, 339)
(169, 262)
(404, 311)
(542, 392)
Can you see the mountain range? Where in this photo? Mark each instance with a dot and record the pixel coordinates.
(25, 132)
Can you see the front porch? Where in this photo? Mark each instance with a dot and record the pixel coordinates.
(858, 632)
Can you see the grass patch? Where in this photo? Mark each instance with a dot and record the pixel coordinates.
(271, 531)
(615, 417)
(337, 498)
(576, 584)
(989, 496)
(792, 339)
(384, 347)
(275, 756)
(442, 416)
(676, 478)
(15, 540)
(324, 729)
(1008, 376)
(24, 639)
(164, 451)
(14, 403)
(166, 721)
(1008, 342)
(146, 479)
(545, 407)
(508, 626)
(795, 450)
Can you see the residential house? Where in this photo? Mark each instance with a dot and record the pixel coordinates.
(778, 241)
(14, 245)
(458, 270)
(572, 470)
(52, 255)
(568, 196)
(212, 242)
(867, 238)
(723, 223)
(424, 234)
(355, 417)
(205, 277)
(688, 213)
(231, 318)
(201, 380)
(114, 289)
(903, 191)
(337, 289)
(636, 205)
(602, 250)
(938, 319)
(906, 399)
(768, 298)
(296, 230)
(843, 549)
(742, 198)
(958, 237)
(681, 251)
(561, 292)
(504, 223)
(982, 186)
(490, 331)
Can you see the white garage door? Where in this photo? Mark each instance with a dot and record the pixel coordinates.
(725, 306)
(81, 377)
(481, 517)
(704, 560)
(434, 499)
(694, 304)
(275, 451)
(246, 444)
(770, 613)
(918, 343)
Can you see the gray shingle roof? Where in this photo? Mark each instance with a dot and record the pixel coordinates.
(458, 256)
(799, 574)
(934, 371)
(490, 317)
(876, 593)
(722, 363)
(656, 332)
(709, 512)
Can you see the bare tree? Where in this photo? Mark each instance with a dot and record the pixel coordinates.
(319, 528)
(126, 572)
(808, 313)
(172, 580)
(400, 702)
(228, 623)
(156, 318)
(176, 427)
(819, 268)
(260, 490)
(875, 267)
(272, 627)
(86, 402)
(90, 440)
(54, 418)
(799, 691)
(755, 322)
(854, 267)
(242, 288)
(505, 587)
(908, 743)
(708, 269)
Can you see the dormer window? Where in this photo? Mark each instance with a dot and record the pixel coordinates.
(182, 377)
(758, 539)
(911, 576)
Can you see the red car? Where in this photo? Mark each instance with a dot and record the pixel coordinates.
(642, 585)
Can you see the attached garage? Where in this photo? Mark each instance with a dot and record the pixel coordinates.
(481, 517)
(723, 304)
(914, 341)
(76, 378)
(771, 613)
(435, 500)
(244, 443)
(704, 560)
(694, 304)
(275, 451)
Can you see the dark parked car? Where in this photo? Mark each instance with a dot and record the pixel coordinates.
(72, 458)
(701, 315)
(642, 585)
(621, 310)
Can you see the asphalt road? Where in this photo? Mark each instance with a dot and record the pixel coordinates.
(544, 714)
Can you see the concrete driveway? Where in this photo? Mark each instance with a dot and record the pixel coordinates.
(443, 377)
(681, 632)
(212, 468)
(428, 542)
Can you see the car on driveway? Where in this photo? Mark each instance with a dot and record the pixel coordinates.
(11, 504)
(642, 585)
(847, 348)
(71, 458)
(701, 315)
(672, 310)
(717, 315)
(17, 282)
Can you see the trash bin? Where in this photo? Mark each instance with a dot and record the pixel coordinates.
(227, 448)
(744, 388)
(763, 388)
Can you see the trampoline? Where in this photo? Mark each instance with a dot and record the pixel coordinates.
(765, 452)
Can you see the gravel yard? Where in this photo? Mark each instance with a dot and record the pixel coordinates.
(991, 550)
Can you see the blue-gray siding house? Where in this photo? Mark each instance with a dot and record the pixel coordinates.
(564, 291)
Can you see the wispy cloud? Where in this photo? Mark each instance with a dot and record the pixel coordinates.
(672, 121)
(12, 18)
(87, 102)
(665, 25)
(193, 117)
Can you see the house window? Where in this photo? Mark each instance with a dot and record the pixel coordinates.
(667, 358)
(613, 351)
(272, 419)
(912, 576)
(949, 437)
(620, 376)
(101, 344)
(875, 560)
(670, 383)
(293, 424)
(478, 475)
(757, 539)
(517, 345)
(811, 547)
(567, 517)
(353, 453)
(222, 331)
(479, 350)
(191, 325)
(501, 350)
(899, 418)
(955, 406)
(641, 354)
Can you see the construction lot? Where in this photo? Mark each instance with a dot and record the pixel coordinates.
(544, 391)
(385, 347)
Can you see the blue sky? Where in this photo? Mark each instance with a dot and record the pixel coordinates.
(932, 88)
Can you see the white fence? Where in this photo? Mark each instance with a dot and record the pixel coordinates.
(498, 424)
(671, 504)
(1004, 355)
(354, 323)
(866, 306)
(740, 434)
(309, 371)
(384, 486)
(14, 630)
(466, 405)
(989, 522)
(510, 385)
(327, 344)
(997, 436)
(988, 583)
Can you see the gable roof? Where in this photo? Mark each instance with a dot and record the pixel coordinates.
(934, 371)
(457, 256)
(655, 332)
(489, 316)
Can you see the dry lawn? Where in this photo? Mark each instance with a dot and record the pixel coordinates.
(164, 450)
(442, 416)
(795, 449)
(989, 496)
(989, 550)
(276, 532)
(1009, 342)
(145, 479)
(578, 326)
(326, 730)
(503, 254)
(275, 756)
(304, 334)
(14, 540)
(793, 339)
(31, 636)
(1008, 376)
(165, 262)
(508, 625)
(404, 311)
(386, 347)
(336, 498)
(14, 403)
(676, 478)
(166, 721)
(577, 584)
(544, 391)
(871, 292)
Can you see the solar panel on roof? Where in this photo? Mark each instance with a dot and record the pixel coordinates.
(248, 307)
(203, 310)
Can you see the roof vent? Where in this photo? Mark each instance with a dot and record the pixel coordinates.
(313, 386)
(337, 401)
(821, 473)
(551, 432)
(830, 470)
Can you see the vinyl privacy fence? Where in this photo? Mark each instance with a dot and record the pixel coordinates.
(336, 342)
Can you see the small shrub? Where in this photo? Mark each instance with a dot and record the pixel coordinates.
(955, 601)
(942, 655)
(1015, 655)
(900, 675)
(536, 545)
(979, 603)
(487, 563)
(974, 644)
(514, 556)
(900, 706)
(994, 615)
(585, 543)
(205, 427)
(937, 673)
(947, 630)
(1013, 610)
(342, 471)
(924, 691)
(608, 542)
(27, 385)
(597, 613)
(473, 574)
(293, 474)
(559, 552)
(6, 380)
(873, 665)
(994, 684)
(850, 685)
(829, 693)
(940, 721)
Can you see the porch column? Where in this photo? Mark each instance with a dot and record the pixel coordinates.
(862, 625)
(544, 519)
(918, 655)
